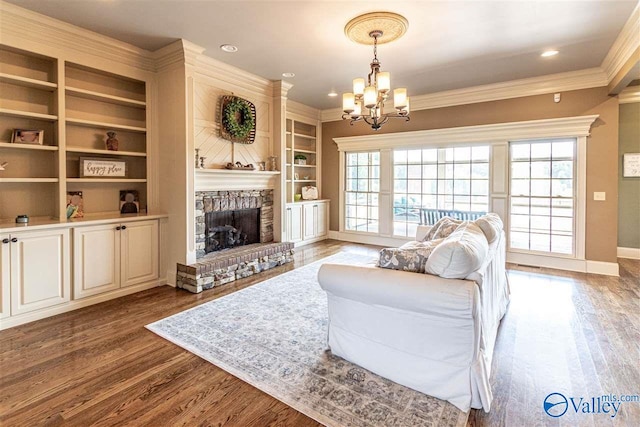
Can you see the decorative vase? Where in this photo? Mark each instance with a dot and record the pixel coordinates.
(112, 141)
(297, 197)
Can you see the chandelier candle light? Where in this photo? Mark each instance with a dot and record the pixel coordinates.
(366, 102)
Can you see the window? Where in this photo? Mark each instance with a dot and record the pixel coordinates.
(362, 188)
(454, 178)
(542, 196)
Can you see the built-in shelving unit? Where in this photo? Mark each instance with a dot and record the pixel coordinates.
(74, 106)
(301, 142)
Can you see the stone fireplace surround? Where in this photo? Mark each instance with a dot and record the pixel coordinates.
(220, 267)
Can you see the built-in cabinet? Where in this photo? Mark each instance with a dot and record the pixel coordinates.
(108, 260)
(35, 270)
(113, 256)
(306, 222)
(73, 106)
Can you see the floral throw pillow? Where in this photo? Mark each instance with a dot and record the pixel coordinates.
(443, 228)
(411, 256)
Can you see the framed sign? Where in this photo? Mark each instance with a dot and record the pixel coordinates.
(92, 167)
(631, 165)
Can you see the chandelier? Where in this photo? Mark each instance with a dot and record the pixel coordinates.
(367, 100)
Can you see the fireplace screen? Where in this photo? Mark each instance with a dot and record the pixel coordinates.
(229, 229)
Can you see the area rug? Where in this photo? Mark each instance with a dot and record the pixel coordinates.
(273, 335)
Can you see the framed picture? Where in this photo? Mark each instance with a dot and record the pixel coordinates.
(631, 165)
(75, 204)
(92, 167)
(129, 201)
(27, 136)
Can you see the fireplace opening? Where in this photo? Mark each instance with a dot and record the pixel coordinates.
(228, 229)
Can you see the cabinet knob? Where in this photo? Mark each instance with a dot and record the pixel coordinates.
(14, 240)
(5, 241)
(118, 228)
(124, 227)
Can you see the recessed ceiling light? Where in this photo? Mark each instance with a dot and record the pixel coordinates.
(288, 75)
(332, 94)
(229, 48)
(548, 53)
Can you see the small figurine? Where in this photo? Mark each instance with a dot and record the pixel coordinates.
(202, 162)
(112, 141)
(3, 165)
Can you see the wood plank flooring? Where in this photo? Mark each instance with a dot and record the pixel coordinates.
(573, 333)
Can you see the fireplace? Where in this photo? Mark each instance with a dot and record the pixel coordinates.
(229, 209)
(228, 229)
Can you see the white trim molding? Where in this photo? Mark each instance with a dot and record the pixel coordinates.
(532, 129)
(225, 179)
(630, 95)
(625, 45)
(631, 253)
(560, 82)
(559, 263)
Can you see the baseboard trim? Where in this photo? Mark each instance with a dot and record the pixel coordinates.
(604, 268)
(631, 253)
(568, 264)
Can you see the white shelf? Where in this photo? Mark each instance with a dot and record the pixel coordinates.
(302, 166)
(304, 151)
(29, 179)
(97, 96)
(103, 125)
(304, 180)
(27, 82)
(28, 114)
(109, 152)
(301, 135)
(28, 146)
(132, 180)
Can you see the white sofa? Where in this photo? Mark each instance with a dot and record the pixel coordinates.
(425, 332)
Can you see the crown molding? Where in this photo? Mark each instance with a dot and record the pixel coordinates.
(56, 35)
(302, 110)
(630, 95)
(281, 88)
(624, 47)
(532, 129)
(560, 82)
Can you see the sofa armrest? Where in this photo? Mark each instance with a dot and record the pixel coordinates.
(422, 231)
(422, 293)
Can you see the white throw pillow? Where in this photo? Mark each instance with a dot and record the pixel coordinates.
(491, 225)
(460, 254)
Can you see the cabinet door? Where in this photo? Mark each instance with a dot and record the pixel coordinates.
(294, 223)
(139, 252)
(5, 304)
(96, 260)
(40, 270)
(322, 216)
(309, 217)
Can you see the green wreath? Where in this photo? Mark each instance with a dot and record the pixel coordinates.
(237, 118)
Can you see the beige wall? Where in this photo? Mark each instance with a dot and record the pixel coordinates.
(602, 149)
(629, 188)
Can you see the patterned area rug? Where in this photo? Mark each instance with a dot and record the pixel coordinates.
(273, 335)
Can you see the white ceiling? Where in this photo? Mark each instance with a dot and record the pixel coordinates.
(449, 44)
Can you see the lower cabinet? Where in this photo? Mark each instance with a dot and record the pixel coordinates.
(306, 221)
(112, 256)
(108, 260)
(34, 270)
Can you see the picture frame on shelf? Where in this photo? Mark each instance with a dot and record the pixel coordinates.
(129, 201)
(101, 167)
(75, 204)
(27, 136)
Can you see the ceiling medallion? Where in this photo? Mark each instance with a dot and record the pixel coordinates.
(370, 94)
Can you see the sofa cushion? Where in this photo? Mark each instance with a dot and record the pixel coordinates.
(443, 228)
(460, 254)
(491, 225)
(411, 256)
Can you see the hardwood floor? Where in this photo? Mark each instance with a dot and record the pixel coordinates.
(564, 332)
